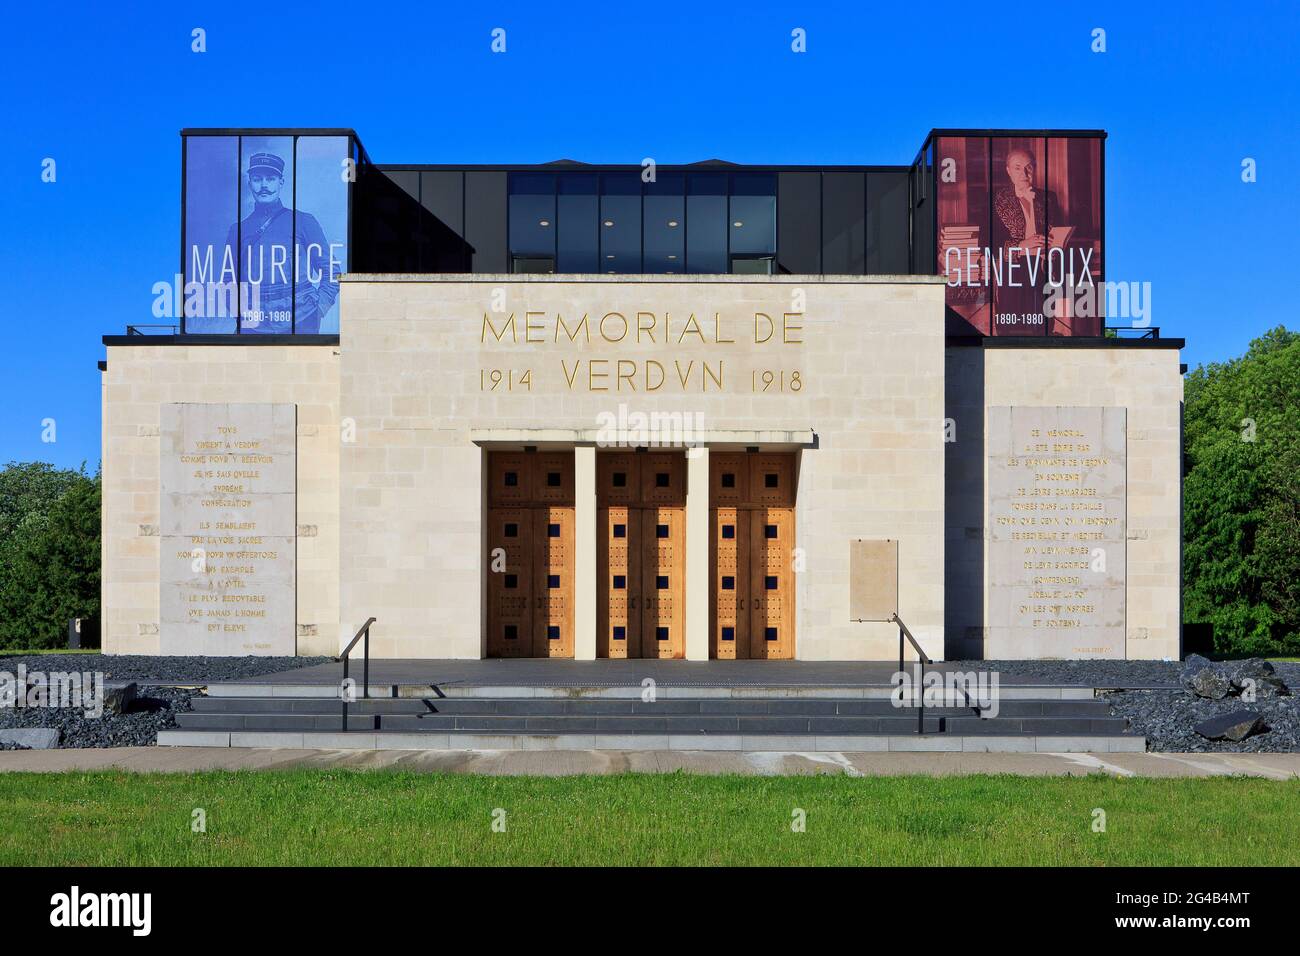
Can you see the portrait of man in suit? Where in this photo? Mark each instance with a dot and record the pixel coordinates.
(1022, 211)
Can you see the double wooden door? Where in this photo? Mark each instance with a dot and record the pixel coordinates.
(641, 554)
(751, 543)
(530, 558)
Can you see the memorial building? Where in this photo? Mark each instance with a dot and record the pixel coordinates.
(580, 411)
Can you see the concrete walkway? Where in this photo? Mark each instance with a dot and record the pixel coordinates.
(557, 763)
(555, 672)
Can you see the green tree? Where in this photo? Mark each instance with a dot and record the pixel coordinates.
(1241, 556)
(49, 552)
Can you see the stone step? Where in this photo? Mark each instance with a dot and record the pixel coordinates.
(896, 723)
(664, 691)
(841, 743)
(604, 706)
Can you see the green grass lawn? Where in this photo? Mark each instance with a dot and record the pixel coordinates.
(387, 817)
(45, 651)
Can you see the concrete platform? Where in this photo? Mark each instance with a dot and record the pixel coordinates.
(559, 763)
(812, 743)
(666, 690)
(536, 672)
(619, 679)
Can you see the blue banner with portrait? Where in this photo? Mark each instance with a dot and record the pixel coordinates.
(266, 225)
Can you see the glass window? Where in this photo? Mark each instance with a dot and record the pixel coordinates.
(706, 223)
(211, 206)
(578, 214)
(620, 223)
(665, 232)
(321, 217)
(753, 214)
(532, 219)
(799, 239)
(844, 209)
(1017, 254)
(266, 233)
(1074, 205)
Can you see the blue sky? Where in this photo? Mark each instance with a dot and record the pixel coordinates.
(1185, 90)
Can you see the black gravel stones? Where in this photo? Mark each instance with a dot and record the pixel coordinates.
(1168, 719)
(154, 709)
(137, 699)
(119, 668)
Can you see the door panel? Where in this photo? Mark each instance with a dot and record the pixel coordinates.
(729, 588)
(771, 584)
(663, 478)
(729, 478)
(771, 479)
(510, 582)
(553, 477)
(618, 564)
(553, 582)
(510, 477)
(618, 478)
(663, 551)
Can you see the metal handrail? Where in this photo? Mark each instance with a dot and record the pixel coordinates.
(135, 329)
(365, 666)
(1139, 331)
(903, 632)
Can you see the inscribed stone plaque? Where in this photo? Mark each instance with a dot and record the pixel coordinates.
(229, 525)
(873, 580)
(1057, 493)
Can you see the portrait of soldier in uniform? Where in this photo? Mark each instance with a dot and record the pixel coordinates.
(283, 254)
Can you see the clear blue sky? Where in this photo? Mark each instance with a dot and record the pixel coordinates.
(1185, 90)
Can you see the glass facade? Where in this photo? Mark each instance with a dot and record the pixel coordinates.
(620, 223)
(1020, 233)
(265, 231)
(1012, 220)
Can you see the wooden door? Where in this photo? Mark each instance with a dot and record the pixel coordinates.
(751, 545)
(641, 558)
(530, 560)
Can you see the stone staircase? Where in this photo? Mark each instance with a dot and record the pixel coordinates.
(736, 718)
